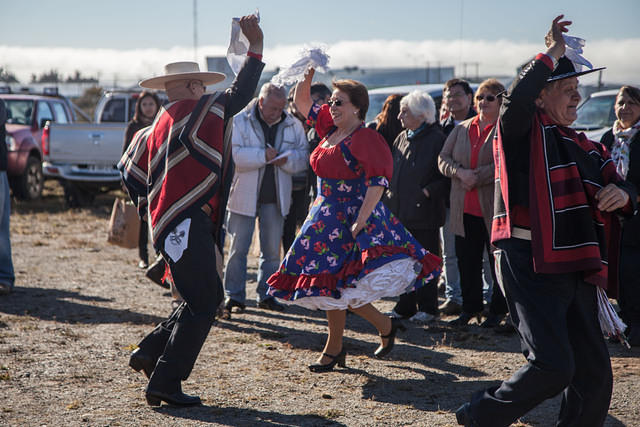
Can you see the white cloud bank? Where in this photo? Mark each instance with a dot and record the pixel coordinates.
(126, 67)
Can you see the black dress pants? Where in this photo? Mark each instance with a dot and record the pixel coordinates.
(426, 297)
(298, 211)
(556, 316)
(143, 239)
(176, 342)
(629, 292)
(470, 252)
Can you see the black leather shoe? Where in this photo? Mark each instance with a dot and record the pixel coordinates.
(492, 321)
(396, 325)
(155, 398)
(141, 362)
(463, 417)
(230, 303)
(339, 359)
(464, 319)
(271, 304)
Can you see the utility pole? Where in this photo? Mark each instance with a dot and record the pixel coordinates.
(195, 30)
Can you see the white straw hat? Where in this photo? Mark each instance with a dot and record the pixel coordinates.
(184, 70)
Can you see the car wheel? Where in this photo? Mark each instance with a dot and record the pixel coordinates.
(29, 185)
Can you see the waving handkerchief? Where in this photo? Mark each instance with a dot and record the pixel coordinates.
(238, 45)
(573, 51)
(310, 57)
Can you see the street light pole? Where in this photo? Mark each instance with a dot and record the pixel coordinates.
(195, 30)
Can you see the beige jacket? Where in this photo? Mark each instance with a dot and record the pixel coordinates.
(457, 153)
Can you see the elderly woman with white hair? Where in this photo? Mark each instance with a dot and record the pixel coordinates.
(417, 193)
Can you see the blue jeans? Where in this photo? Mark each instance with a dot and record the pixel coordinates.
(240, 230)
(7, 275)
(451, 276)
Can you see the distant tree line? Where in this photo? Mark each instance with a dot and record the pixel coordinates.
(51, 76)
(7, 76)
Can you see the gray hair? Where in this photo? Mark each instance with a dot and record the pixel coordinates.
(420, 104)
(269, 89)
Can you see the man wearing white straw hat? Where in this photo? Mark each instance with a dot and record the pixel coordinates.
(555, 226)
(179, 171)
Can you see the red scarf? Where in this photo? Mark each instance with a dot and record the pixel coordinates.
(568, 232)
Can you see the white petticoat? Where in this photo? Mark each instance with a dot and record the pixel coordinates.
(390, 280)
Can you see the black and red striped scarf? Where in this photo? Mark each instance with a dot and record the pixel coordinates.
(568, 232)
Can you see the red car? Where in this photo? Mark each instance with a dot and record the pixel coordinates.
(27, 115)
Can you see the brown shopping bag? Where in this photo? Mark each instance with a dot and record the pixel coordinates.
(124, 225)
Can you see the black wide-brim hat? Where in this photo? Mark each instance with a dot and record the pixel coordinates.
(566, 69)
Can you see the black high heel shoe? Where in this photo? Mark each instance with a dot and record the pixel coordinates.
(339, 359)
(396, 325)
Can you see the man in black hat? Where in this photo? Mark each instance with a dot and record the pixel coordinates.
(555, 226)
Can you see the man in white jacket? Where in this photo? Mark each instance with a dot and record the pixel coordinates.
(269, 146)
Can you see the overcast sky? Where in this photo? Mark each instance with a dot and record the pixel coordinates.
(128, 40)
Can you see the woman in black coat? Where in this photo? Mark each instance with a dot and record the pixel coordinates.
(147, 107)
(623, 141)
(418, 192)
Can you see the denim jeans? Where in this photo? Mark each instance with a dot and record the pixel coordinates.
(450, 263)
(487, 280)
(7, 275)
(240, 230)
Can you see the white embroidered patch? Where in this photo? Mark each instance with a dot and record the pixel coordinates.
(177, 240)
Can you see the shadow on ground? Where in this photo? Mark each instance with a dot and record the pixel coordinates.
(246, 417)
(68, 307)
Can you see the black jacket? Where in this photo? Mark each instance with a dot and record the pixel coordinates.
(449, 123)
(630, 226)
(415, 166)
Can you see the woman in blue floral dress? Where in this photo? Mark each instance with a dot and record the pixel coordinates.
(351, 250)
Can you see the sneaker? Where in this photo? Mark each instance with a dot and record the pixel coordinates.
(394, 315)
(450, 307)
(423, 317)
(143, 264)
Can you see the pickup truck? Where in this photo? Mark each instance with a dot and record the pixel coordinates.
(83, 156)
(27, 115)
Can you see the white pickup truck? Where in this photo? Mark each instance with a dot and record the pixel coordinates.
(83, 156)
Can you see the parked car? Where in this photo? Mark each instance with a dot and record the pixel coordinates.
(27, 115)
(118, 106)
(83, 156)
(596, 114)
(379, 95)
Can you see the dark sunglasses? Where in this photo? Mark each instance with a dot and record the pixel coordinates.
(336, 102)
(489, 98)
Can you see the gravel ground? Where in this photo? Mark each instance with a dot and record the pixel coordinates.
(81, 305)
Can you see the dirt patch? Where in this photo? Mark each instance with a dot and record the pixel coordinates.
(81, 305)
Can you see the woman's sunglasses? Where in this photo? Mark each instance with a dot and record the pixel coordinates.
(336, 102)
(489, 98)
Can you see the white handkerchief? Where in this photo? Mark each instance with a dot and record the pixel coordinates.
(177, 240)
(238, 45)
(573, 52)
(310, 57)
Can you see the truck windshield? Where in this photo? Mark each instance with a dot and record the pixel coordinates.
(19, 111)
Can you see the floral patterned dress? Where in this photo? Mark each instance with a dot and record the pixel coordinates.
(326, 268)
